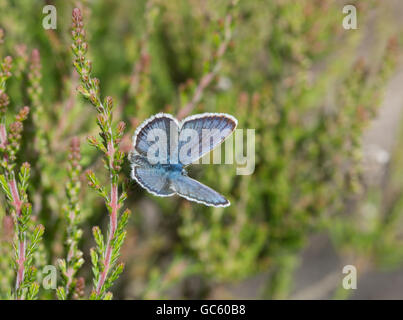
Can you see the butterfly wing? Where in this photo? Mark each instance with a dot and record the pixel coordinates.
(144, 137)
(193, 190)
(154, 180)
(211, 128)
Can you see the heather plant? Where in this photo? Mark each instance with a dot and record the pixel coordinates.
(285, 69)
(14, 183)
(73, 261)
(104, 257)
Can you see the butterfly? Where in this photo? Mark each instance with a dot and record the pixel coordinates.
(163, 147)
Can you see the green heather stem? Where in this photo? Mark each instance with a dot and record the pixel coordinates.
(105, 269)
(112, 230)
(16, 202)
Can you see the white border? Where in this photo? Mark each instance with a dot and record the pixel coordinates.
(207, 114)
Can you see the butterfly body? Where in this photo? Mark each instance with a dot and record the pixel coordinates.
(173, 168)
(158, 163)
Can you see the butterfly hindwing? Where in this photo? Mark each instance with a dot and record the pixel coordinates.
(195, 191)
(153, 179)
(211, 130)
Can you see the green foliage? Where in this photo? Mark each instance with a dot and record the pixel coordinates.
(285, 69)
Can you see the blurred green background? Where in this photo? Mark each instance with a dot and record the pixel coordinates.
(325, 103)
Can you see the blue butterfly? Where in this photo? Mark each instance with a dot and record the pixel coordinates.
(163, 147)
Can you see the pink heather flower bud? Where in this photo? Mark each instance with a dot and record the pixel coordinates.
(83, 91)
(8, 60)
(4, 101)
(95, 81)
(93, 99)
(109, 102)
(21, 51)
(75, 144)
(15, 127)
(92, 140)
(77, 15)
(102, 119)
(23, 114)
(35, 57)
(121, 126)
(27, 206)
(79, 288)
(6, 66)
(75, 148)
(26, 165)
(88, 65)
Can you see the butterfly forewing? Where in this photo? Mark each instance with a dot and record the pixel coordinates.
(159, 132)
(209, 130)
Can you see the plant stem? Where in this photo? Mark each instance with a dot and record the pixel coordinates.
(105, 269)
(21, 267)
(22, 238)
(113, 221)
